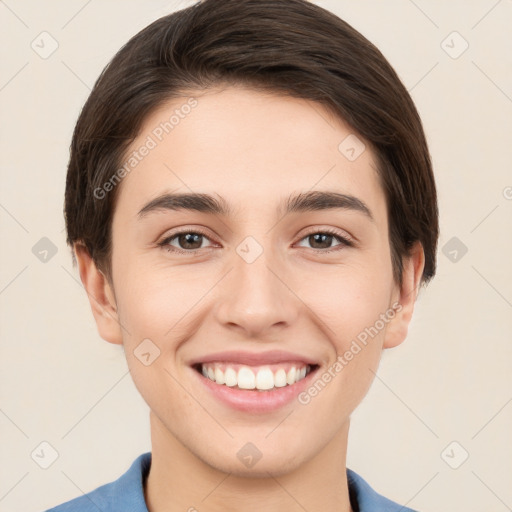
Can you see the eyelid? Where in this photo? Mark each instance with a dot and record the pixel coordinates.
(181, 231)
(331, 231)
(345, 240)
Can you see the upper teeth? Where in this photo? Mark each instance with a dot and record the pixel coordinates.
(263, 378)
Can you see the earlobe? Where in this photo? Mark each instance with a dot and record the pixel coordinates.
(413, 266)
(101, 296)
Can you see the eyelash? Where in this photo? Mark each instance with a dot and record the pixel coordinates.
(165, 244)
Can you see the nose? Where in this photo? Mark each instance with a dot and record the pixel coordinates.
(256, 298)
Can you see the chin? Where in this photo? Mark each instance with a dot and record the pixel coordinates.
(276, 467)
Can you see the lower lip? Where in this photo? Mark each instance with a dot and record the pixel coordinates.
(255, 401)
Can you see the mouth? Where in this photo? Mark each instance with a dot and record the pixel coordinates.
(261, 378)
(254, 383)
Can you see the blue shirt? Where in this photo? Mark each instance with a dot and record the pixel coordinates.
(126, 494)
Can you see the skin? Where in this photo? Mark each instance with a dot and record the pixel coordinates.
(253, 149)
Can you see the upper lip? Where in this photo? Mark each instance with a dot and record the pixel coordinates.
(253, 358)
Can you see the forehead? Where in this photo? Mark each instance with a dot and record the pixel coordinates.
(251, 148)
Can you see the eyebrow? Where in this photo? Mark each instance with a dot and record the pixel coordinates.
(302, 202)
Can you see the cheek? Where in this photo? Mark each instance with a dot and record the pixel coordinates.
(154, 307)
(351, 316)
(351, 303)
(153, 301)
(349, 300)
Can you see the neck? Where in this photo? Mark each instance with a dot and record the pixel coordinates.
(180, 481)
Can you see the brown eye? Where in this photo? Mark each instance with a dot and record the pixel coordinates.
(321, 240)
(189, 240)
(184, 241)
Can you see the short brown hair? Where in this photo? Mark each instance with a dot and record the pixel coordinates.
(285, 46)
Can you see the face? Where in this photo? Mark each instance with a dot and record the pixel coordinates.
(249, 288)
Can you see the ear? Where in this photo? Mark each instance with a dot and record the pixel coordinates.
(101, 296)
(405, 297)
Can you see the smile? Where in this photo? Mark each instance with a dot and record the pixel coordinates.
(261, 378)
(250, 382)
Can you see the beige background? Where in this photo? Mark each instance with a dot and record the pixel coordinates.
(450, 381)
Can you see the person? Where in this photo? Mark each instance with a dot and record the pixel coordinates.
(251, 204)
